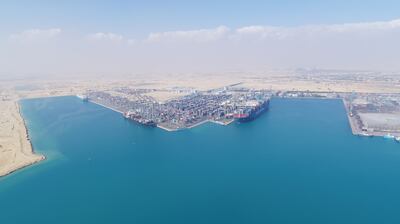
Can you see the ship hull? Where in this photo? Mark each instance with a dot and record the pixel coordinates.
(148, 123)
(254, 114)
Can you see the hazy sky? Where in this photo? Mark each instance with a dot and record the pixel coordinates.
(117, 37)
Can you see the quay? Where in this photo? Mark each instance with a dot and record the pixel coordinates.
(221, 106)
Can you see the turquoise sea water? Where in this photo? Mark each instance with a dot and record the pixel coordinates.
(298, 163)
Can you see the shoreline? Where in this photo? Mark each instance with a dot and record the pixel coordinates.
(223, 123)
(354, 128)
(27, 134)
(178, 129)
(168, 129)
(198, 124)
(31, 156)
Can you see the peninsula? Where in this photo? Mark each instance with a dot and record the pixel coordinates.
(15, 148)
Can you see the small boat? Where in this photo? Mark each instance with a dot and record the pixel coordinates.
(388, 136)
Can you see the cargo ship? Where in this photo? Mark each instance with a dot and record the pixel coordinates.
(139, 119)
(251, 111)
(84, 98)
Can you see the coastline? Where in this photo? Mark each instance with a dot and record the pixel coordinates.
(177, 129)
(24, 155)
(223, 123)
(42, 157)
(354, 127)
(197, 124)
(167, 129)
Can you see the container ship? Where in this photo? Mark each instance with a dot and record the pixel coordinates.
(139, 119)
(84, 98)
(251, 111)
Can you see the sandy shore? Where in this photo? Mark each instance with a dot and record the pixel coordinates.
(16, 150)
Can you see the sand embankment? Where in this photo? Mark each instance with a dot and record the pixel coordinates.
(16, 150)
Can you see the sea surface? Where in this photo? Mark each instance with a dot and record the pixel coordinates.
(297, 163)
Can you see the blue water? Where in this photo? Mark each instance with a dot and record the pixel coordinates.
(298, 163)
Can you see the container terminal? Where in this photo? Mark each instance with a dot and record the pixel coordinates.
(369, 114)
(221, 106)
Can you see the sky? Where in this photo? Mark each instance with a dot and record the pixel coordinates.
(127, 37)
